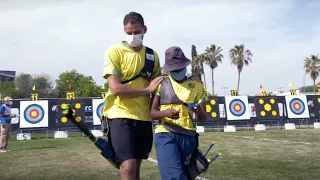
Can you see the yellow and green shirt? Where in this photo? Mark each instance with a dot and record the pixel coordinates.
(189, 91)
(122, 61)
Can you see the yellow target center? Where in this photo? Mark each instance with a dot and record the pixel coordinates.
(237, 107)
(297, 106)
(78, 106)
(63, 106)
(274, 113)
(272, 101)
(213, 102)
(34, 113)
(64, 120)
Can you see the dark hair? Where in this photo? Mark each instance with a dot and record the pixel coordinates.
(133, 17)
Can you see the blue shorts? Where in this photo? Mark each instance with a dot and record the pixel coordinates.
(173, 154)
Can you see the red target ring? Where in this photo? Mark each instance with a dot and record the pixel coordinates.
(297, 106)
(101, 111)
(237, 107)
(34, 113)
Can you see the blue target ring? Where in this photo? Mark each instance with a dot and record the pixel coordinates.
(33, 113)
(297, 106)
(237, 107)
(99, 110)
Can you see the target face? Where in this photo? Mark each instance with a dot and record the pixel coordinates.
(100, 110)
(237, 107)
(297, 106)
(33, 113)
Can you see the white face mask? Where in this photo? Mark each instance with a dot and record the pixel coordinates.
(135, 40)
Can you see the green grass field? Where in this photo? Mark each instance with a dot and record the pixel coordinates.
(272, 154)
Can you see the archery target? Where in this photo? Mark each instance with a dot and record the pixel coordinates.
(297, 106)
(97, 106)
(100, 110)
(34, 114)
(237, 107)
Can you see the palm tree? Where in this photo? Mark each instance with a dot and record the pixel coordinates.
(311, 67)
(197, 64)
(213, 57)
(239, 57)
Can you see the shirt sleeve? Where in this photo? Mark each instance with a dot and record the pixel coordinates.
(111, 63)
(201, 95)
(2, 109)
(156, 68)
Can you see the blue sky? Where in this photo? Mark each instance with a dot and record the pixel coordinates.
(55, 36)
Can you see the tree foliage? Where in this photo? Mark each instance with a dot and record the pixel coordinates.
(194, 65)
(308, 89)
(43, 85)
(311, 67)
(213, 56)
(198, 67)
(26, 84)
(81, 85)
(23, 85)
(7, 89)
(239, 56)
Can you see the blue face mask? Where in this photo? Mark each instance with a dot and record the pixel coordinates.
(179, 76)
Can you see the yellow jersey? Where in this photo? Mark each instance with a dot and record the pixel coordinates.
(120, 60)
(189, 91)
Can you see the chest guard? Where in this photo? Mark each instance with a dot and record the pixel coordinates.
(168, 96)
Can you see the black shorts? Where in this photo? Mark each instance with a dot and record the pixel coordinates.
(130, 139)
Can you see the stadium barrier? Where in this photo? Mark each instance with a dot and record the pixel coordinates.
(223, 113)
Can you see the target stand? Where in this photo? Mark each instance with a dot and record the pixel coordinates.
(97, 133)
(237, 109)
(316, 125)
(229, 128)
(289, 126)
(23, 136)
(34, 116)
(62, 121)
(297, 108)
(61, 134)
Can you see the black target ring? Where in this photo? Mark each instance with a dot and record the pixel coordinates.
(33, 113)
